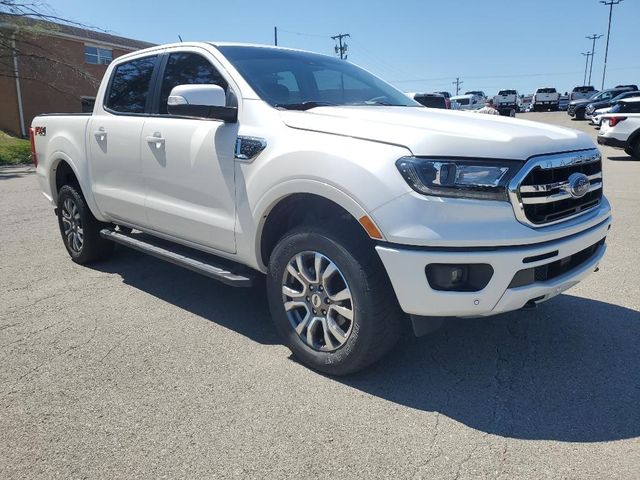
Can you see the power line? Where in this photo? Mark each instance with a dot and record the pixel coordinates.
(593, 37)
(610, 3)
(341, 47)
(457, 83)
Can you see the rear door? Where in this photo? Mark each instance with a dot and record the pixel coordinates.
(114, 141)
(188, 163)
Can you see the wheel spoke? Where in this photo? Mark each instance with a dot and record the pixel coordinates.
(328, 342)
(294, 273)
(311, 330)
(336, 331)
(288, 306)
(344, 311)
(341, 295)
(291, 293)
(303, 324)
(302, 269)
(328, 272)
(317, 265)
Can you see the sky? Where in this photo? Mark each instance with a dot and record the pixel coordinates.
(419, 46)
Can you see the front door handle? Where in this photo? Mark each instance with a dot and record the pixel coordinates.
(100, 134)
(156, 139)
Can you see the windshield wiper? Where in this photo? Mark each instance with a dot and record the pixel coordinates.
(303, 105)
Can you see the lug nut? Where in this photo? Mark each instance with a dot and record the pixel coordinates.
(311, 287)
(314, 310)
(308, 299)
(324, 312)
(327, 301)
(320, 288)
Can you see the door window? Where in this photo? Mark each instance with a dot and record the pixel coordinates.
(186, 68)
(130, 85)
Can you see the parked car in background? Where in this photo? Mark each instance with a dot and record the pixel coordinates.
(593, 106)
(431, 100)
(507, 102)
(544, 99)
(563, 103)
(581, 92)
(478, 93)
(621, 127)
(467, 102)
(447, 97)
(578, 108)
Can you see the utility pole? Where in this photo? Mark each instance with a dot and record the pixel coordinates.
(610, 3)
(341, 47)
(586, 65)
(457, 83)
(593, 37)
(275, 36)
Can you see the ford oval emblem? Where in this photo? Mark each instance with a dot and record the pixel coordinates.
(578, 185)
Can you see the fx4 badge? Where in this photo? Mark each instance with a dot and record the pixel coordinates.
(42, 131)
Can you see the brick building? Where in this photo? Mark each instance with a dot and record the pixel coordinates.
(48, 67)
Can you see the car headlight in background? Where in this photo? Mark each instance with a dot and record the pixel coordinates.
(478, 179)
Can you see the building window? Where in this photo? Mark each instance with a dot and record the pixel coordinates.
(97, 56)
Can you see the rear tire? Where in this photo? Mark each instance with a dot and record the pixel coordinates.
(579, 115)
(635, 149)
(307, 312)
(79, 229)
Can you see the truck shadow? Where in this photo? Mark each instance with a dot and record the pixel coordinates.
(243, 310)
(569, 371)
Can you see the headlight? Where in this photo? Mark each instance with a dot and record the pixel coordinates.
(481, 179)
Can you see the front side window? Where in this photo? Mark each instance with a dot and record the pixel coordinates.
(97, 55)
(289, 79)
(185, 68)
(130, 85)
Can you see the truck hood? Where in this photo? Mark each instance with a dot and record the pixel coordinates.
(427, 131)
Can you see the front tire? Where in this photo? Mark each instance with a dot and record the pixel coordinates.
(79, 229)
(331, 299)
(579, 115)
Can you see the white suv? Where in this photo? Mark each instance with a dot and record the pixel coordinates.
(620, 127)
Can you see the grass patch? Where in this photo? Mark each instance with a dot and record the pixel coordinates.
(14, 150)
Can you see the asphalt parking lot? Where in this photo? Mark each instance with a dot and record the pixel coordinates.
(135, 368)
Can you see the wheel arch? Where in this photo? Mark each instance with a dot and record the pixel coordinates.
(285, 208)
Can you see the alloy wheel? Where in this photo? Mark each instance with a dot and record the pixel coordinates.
(317, 301)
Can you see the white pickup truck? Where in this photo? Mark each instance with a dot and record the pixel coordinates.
(358, 207)
(545, 99)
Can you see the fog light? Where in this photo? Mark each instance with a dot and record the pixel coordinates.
(458, 278)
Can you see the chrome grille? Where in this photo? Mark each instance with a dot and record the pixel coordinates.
(541, 192)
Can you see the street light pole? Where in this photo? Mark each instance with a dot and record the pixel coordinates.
(593, 37)
(611, 3)
(586, 66)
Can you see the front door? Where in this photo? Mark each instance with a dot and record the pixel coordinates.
(188, 163)
(113, 139)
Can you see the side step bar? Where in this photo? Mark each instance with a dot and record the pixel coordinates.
(198, 265)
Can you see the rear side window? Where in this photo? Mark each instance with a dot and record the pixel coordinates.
(186, 68)
(631, 107)
(130, 85)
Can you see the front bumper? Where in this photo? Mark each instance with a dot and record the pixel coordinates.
(406, 269)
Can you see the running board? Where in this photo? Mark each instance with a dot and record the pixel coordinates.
(187, 258)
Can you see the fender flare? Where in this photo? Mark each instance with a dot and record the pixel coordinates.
(277, 193)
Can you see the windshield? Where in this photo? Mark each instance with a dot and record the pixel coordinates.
(301, 80)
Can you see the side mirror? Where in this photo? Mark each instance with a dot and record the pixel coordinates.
(201, 101)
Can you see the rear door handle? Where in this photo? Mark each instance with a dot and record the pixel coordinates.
(157, 139)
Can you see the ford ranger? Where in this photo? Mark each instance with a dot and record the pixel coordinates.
(358, 207)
